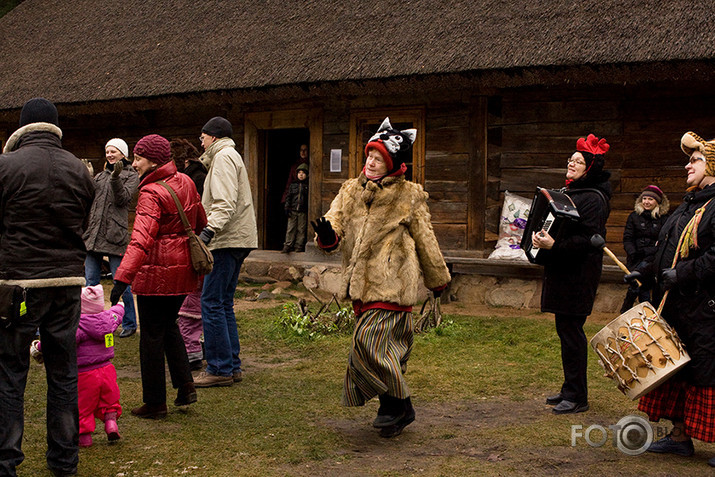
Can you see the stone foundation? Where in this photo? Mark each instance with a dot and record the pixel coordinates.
(323, 278)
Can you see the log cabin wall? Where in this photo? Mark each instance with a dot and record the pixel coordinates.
(532, 132)
(446, 162)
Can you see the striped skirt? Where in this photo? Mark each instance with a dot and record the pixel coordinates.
(678, 401)
(381, 346)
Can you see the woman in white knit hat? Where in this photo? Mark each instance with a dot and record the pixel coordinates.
(108, 231)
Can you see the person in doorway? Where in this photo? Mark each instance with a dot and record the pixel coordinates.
(381, 223)
(230, 234)
(296, 208)
(684, 266)
(108, 231)
(46, 195)
(640, 237)
(158, 265)
(303, 153)
(572, 267)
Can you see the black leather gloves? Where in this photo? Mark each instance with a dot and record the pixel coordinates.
(117, 291)
(668, 278)
(326, 234)
(632, 277)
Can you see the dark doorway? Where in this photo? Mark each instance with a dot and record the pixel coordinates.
(282, 151)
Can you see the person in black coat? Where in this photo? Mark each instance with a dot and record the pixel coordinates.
(640, 237)
(684, 265)
(572, 267)
(46, 195)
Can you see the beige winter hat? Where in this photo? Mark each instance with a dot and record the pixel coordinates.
(691, 142)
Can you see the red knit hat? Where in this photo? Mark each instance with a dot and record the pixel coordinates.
(155, 148)
(380, 147)
(395, 146)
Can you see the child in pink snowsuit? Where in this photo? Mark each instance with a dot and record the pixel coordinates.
(97, 377)
(98, 392)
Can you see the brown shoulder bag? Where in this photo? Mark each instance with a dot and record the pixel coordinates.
(201, 258)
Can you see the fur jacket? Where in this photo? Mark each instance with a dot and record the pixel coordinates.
(387, 241)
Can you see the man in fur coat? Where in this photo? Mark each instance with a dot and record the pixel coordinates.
(381, 223)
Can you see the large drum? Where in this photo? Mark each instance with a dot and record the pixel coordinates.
(639, 350)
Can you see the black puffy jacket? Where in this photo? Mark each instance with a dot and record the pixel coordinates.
(641, 235)
(46, 194)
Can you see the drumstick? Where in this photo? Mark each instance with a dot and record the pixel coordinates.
(598, 242)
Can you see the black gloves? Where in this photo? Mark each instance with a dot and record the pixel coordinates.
(206, 235)
(118, 168)
(632, 277)
(117, 291)
(326, 234)
(668, 278)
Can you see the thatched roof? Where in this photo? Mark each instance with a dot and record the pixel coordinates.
(89, 50)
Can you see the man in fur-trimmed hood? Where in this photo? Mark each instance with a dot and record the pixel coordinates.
(46, 194)
(381, 224)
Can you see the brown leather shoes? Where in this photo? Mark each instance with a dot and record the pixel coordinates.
(150, 411)
(207, 380)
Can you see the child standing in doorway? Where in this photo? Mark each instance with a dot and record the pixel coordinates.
(296, 208)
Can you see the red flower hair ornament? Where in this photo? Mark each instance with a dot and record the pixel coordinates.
(593, 145)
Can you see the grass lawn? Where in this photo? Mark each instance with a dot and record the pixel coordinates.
(478, 388)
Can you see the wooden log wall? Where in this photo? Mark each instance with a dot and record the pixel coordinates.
(533, 132)
(446, 165)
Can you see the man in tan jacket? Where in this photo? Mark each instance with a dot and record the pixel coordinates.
(231, 233)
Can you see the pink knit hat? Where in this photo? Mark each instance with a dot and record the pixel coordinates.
(92, 300)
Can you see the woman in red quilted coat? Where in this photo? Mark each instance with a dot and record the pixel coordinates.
(157, 264)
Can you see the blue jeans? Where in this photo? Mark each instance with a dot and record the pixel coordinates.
(93, 273)
(55, 311)
(220, 331)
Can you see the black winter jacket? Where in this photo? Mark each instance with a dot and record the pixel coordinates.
(572, 268)
(46, 194)
(297, 197)
(640, 236)
(197, 172)
(690, 305)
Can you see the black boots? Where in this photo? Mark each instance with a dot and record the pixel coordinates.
(393, 415)
(390, 412)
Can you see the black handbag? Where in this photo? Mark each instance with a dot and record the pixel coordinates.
(12, 304)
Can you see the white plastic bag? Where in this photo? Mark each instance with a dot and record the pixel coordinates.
(512, 222)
